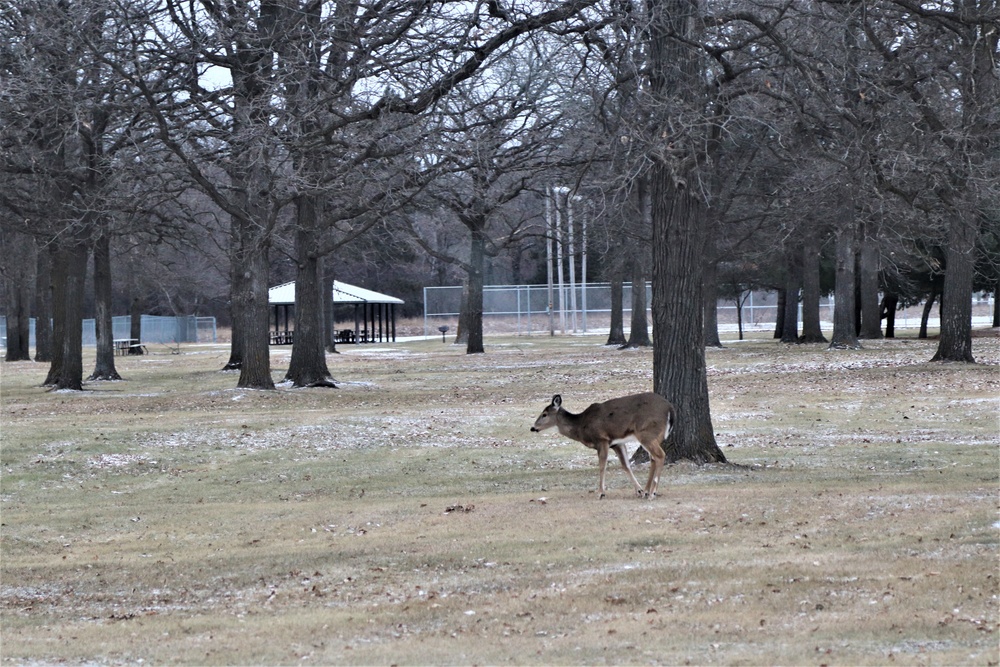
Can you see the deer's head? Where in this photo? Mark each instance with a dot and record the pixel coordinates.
(548, 417)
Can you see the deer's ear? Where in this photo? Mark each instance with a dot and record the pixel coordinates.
(557, 400)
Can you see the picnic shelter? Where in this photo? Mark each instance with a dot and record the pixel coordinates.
(374, 314)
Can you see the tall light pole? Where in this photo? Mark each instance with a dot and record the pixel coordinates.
(548, 256)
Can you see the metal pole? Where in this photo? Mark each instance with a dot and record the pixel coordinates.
(528, 289)
(559, 263)
(572, 261)
(548, 253)
(518, 289)
(583, 269)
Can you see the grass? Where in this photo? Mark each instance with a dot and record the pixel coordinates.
(410, 517)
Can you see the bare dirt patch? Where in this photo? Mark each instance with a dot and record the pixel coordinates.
(409, 517)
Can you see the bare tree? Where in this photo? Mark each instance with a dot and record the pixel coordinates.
(16, 273)
(63, 104)
(685, 131)
(496, 140)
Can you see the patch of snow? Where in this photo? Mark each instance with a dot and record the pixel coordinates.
(117, 460)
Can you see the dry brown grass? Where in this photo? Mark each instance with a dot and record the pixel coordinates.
(409, 517)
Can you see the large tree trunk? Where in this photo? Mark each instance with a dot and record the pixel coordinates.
(812, 331)
(844, 328)
(616, 334)
(790, 319)
(889, 304)
(868, 265)
(709, 280)
(235, 361)
(307, 367)
(474, 304)
(679, 372)
(43, 305)
(925, 314)
(69, 274)
(955, 343)
(678, 222)
(18, 330)
(638, 335)
(104, 365)
(18, 305)
(251, 314)
(135, 323)
(977, 77)
(779, 317)
(59, 268)
(251, 239)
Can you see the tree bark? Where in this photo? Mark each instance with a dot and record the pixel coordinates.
(678, 223)
(955, 343)
(18, 331)
(779, 316)
(251, 235)
(868, 265)
(679, 372)
(104, 364)
(59, 269)
(889, 304)
(844, 328)
(739, 315)
(926, 312)
(638, 335)
(17, 269)
(812, 331)
(43, 305)
(307, 367)
(252, 314)
(69, 277)
(710, 281)
(474, 304)
(790, 319)
(135, 323)
(616, 334)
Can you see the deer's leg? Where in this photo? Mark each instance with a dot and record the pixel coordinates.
(602, 459)
(620, 451)
(656, 459)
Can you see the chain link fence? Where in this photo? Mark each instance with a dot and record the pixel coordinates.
(154, 329)
(532, 309)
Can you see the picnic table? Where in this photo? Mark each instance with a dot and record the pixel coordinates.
(124, 346)
(282, 337)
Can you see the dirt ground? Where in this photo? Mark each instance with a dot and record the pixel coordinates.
(410, 517)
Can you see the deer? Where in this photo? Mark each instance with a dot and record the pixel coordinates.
(645, 418)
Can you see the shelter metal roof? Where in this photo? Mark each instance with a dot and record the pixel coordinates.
(342, 293)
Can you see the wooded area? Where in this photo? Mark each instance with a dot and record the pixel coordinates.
(199, 152)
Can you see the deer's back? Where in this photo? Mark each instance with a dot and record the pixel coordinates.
(628, 415)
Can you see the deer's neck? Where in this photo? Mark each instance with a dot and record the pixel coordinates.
(570, 425)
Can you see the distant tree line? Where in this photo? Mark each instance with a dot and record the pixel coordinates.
(194, 153)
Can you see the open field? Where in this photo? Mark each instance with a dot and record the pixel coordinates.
(410, 517)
